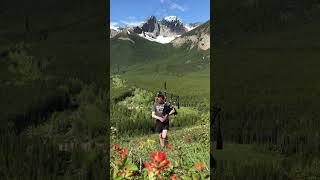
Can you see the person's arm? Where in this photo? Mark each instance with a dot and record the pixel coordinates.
(172, 111)
(157, 117)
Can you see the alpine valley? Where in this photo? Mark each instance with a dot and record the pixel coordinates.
(173, 57)
(165, 47)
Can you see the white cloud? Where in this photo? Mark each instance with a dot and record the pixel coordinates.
(132, 23)
(114, 25)
(177, 6)
(170, 5)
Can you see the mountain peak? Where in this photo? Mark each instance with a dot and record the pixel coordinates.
(152, 19)
(163, 30)
(172, 24)
(171, 18)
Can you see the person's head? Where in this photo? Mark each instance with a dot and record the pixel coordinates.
(160, 99)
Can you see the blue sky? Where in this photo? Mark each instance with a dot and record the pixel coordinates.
(133, 12)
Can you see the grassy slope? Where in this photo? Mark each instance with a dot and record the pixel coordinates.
(249, 161)
(195, 84)
(76, 56)
(76, 48)
(70, 48)
(187, 154)
(125, 53)
(277, 69)
(148, 64)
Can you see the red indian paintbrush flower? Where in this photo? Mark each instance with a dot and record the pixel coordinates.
(169, 146)
(165, 163)
(174, 177)
(149, 166)
(116, 147)
(122, 151)
(158, 157)
(124, 155)
(200, 166)
(158, 164)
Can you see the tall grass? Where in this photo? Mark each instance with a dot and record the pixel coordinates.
(133, 114)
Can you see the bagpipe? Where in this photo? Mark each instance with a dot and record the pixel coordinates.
(168, 107)
(171, 100)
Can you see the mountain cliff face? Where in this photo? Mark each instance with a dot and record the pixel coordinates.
(172, 24)
(151, 25)
(167, 26)
(196, 38)
(162, 31)
(113, 33)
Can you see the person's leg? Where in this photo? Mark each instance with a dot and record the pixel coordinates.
(166, 140)
(161, 140)
(164, 136)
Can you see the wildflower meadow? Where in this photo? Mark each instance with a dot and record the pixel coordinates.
(135, 151)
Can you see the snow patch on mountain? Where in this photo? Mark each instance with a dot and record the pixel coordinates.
(160, 39)
(114, 26)
(163, 31)
(171, 18)
(188, 27)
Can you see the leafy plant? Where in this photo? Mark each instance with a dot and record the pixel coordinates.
(122, 165)
(157, 166)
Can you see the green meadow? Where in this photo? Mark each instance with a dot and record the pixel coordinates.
(266, 81)
(53, 91)
(132, 128)
(139, 69)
